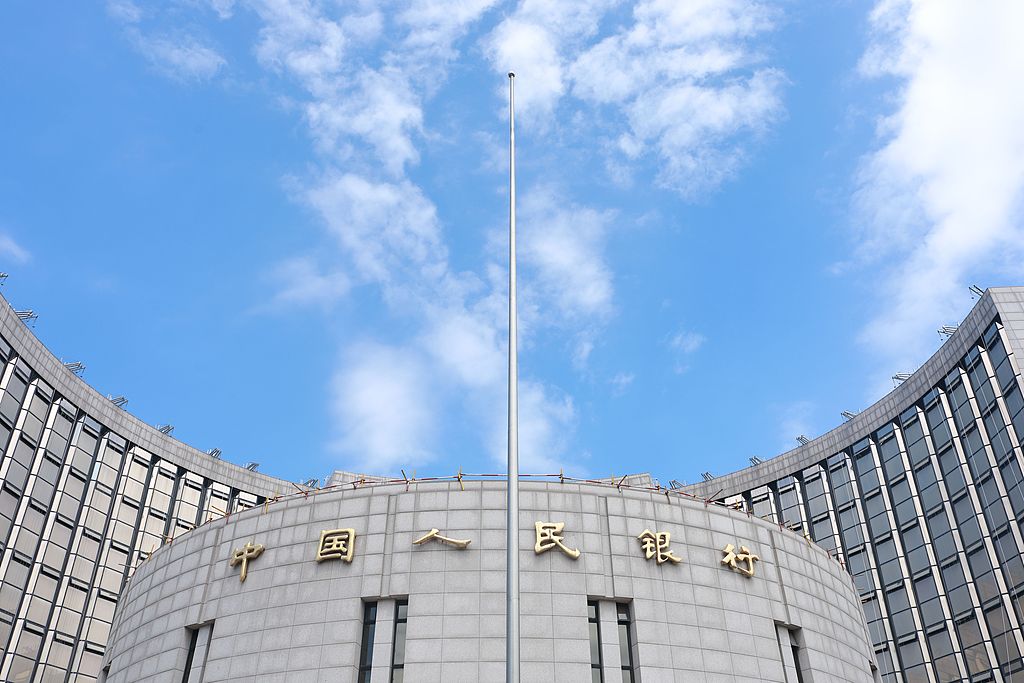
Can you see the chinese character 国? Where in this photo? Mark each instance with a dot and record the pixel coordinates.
(336, 544)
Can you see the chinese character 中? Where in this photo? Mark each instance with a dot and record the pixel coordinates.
(336, 544)
(243, 555)
(436, 534)
(732, 558)
(549, 535)
(655, 545)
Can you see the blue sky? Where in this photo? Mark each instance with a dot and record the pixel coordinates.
(280, 226)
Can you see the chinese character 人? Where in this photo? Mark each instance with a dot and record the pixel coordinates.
(247, 552)
(733, 559)
(436, 534)
(655, 545)
(549, 535)
(336, 544)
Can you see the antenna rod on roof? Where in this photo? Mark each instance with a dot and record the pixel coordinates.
(512, 525)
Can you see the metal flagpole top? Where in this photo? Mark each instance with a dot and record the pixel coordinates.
(512, 521)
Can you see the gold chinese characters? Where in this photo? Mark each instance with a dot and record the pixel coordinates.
(733, 559)
(247, 552)
(336, 544)
(655, 545)
(549, 535)
(340, 544)
(435, 534)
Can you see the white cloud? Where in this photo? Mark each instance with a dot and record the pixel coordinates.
(537, 41)
(372, 95)
(683, 82)
(683, 344)
(467, 347)
(685, 88)
(384, 407)
(941, 198)
(547, 422)
(530, 51)
(393, 236)
(182, 58)
(178, 55)
(124, 11)
(621, 381)
(11, 250)
(298, 39)
(686, 342)
(303, 282)
(434, 26)
(380, 108)
(565, 244)
(390, 230)
(223, 8)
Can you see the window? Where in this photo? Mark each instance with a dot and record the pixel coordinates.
(625, 642)
(366, 649)
(398, 642)
(973, 645)
(789, 640)
(594, 622)
(198, 651)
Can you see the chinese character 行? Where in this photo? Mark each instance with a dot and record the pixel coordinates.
(436, 534)
(243, 555)
(336, 544)
(549, 535)
(732, 558)
(656, 545)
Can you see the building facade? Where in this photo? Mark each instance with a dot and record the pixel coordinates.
(87, 491)
(920, 496)
(387, 582)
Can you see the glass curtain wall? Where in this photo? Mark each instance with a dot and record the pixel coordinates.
(926, 515)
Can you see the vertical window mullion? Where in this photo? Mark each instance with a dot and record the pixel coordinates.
(594, 626)
(366, 648)
(625, 624)
(398, 641)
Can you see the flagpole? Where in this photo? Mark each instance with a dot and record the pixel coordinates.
(512, 523)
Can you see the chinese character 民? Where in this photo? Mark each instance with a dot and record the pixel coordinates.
(549, 535)
(656, 545)
(436, 534)
(336, 544)
(733, 558)
(243, 555)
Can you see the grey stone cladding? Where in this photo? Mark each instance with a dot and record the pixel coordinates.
(295, 619)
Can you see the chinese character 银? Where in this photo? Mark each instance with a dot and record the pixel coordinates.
(655, 545)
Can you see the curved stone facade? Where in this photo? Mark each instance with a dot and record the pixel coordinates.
(611, 614)
(922, 497)
(87, 491)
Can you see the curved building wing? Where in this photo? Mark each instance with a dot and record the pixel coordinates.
(87, 491)
(921, 495)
